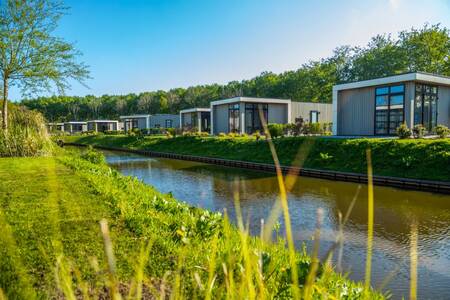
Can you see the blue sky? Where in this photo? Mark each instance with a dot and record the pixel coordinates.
(144, 45)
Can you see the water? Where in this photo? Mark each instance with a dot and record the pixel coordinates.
(212, 187)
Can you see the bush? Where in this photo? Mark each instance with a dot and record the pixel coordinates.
(403, 132)
(112, 132)
(89, 132)
(257, 135)
(442, 131)
(93, 156)
(172, 131)
(418, 131)
(222, 135)
(27, 134)
(276, 130)
(315, 128)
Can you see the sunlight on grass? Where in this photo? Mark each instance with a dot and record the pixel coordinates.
(369, 221)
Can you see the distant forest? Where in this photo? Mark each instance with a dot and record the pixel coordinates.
(425, 49)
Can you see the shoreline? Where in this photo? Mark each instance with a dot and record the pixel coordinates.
(398, 182)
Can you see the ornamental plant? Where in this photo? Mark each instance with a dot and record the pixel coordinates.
(403, 132)
(442, 131)
(418, 131)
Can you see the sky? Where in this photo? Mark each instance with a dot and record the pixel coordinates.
(132, 46)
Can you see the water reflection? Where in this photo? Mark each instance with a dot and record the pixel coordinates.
(212, 187)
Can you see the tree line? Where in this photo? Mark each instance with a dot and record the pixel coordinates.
(425, 49)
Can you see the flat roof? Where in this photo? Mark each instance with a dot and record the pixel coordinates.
(251, 99)
(195, 109)
(134, 116)
(75, 122)
(102, 121)
(415, 76)
(57, 123)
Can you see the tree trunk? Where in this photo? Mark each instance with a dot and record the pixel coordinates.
(5, 105)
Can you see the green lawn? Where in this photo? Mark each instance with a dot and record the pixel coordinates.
(51, 245)
(48, 211)
(419, 159)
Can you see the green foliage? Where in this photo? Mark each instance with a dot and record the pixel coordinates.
(93, 156)
(426, 49)
(348, 155)
(172, 131)
(33, 57)
(419, 131)
(442, 131)
(276, 130)
(27, 134)
(257, 135)
(403, 131)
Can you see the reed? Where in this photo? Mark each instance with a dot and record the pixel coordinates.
(26, 136)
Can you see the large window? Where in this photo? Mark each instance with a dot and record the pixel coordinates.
(233, 118)
(425, 106)
(206, 120)
(314, 116)
(252, 118)
(389, 112)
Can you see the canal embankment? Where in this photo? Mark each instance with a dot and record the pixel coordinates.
(161, 246)
(411, 164)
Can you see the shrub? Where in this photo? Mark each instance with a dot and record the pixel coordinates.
(93, 156)
(27, 134)
(315, 128)
(222, 135)
(418, 131)
(403, 132)
(204, 133)
(442, 131)
(172, 131)
(257, 135)
(276, 130)
(89, 132)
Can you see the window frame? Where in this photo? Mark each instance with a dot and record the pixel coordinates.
(311, 114)
(389, 94)
(168, 121)
(253, 108)
(233, 107)
(422, 93)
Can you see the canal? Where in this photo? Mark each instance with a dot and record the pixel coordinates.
(212, 187)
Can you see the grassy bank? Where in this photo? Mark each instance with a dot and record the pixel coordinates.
(51, 244)
(419, 159)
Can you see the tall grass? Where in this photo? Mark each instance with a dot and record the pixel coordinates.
(26, 135)
(210, 260)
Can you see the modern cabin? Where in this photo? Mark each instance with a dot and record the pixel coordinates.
(135, 121)
(379, 106)
(75, 127)
(102, 125)
(164, 121)
(195, 119)
(150, 121)
(55, 127)
(242, 114)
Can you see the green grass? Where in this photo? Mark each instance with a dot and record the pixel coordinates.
(52, 245)
(48, 211)
(418, 159)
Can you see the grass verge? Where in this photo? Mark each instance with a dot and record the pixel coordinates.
(417, 159)
(52, 245)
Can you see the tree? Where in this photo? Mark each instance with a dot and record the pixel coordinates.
(94, 105)
(145, 102)
(427, 49)
(31, 58)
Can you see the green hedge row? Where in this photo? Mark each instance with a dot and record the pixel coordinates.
(412, 158)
